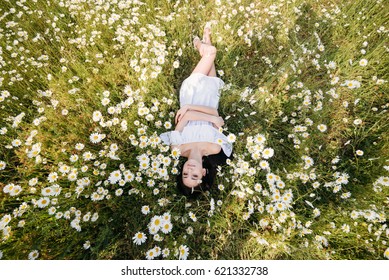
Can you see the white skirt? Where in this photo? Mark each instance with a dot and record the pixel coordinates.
(200, 89)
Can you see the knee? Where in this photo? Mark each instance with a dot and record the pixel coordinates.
(210, 51)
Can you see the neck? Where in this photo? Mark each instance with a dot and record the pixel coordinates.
(196, 154)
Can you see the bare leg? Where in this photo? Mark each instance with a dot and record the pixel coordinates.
(207, 40)
(206, 63)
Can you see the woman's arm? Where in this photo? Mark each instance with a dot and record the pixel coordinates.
(202, 109)
(198, 116)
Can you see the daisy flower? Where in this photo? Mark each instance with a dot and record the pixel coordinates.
(219, 141)
(87, 156)
(245, 216)
(86, 217)
(33, 255)
(119, 192)
(183, 252)
(176, 64)
(157, 251)
(4, 221)
(166, 217)
(113, 147)
(316, 212)
(267, 153)
(15, 190)
(363, 62)
(150, 254)
(383, 181)
(79, 146)
(359, 152)
(32, 182)
(189, 230)
(167, 125)
(95, 216)
(52, 210)
(351, 84)
(58, 215)
(280, 206)
(276, 196)
(95, 138)
(270, 177)
(156, 222)
(271, 209)
(322, 127)
(334, 80)
(192, 216)
(280, 184)
(264, 164)
(53, 176)
(332, 65)
(231, 138)
(96, 116)
(258, 187)
(145, 209)
(86, 245)
(345, 228)
(315, 185)
(48, 191)
(345, 195)
(73, 158)
(165, 252)
(260, 139)
(139, 238)
(167, 227)
(128, 176)
(72, 176)
(16, 143)
(64, 168)
(105, 101)
(43, 202)
(111, 110)
(153, 230)
(115, 176)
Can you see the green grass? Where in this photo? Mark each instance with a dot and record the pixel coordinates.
(66, 57)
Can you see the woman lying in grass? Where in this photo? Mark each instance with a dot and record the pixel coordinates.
(197, 134)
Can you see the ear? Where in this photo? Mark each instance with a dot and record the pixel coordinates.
(204, 172)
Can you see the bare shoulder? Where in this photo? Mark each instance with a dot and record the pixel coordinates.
(211, 148)
(208, 148)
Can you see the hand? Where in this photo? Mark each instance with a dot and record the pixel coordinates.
(218, 121)
(182, 123)
(181, 112)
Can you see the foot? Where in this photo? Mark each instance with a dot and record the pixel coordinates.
(207, 34)
(203, 47)
(197, 42)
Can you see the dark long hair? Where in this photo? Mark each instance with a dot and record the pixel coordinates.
(210, 163)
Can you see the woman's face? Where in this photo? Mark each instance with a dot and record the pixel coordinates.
(192, 173)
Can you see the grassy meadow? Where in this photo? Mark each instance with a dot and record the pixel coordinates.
(86, 87)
